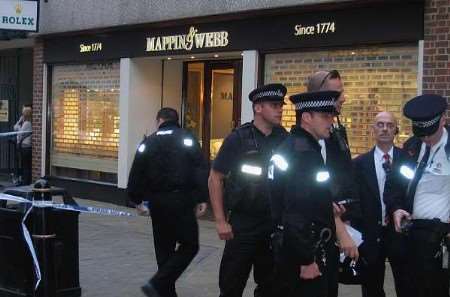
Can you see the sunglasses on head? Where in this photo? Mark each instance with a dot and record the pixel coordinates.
(333, 74)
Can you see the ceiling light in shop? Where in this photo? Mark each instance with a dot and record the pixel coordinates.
(216, 55)
(192, 57)
(353, 53)
(169, 58)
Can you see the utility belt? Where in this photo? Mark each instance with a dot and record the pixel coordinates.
(322, 237)
(437, 232)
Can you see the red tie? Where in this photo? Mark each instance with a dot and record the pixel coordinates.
(387, 163)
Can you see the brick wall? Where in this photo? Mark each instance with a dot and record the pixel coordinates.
(436, 62)
(375, 79)
(37, 107)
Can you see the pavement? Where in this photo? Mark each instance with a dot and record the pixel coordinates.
(117, 258)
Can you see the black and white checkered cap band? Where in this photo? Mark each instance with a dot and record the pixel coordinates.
(426, 124)
(278, 93)
(314, 104)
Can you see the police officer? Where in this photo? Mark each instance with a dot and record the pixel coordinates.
(336, 153)
(302, 200)
(170, 172)
(426, 204)
(242, 210)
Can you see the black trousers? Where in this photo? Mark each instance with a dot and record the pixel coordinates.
(173, 224)
(333, 270)
(289, 284)
(25, 164)
(250, 248)
(391, 246)
(427, 276)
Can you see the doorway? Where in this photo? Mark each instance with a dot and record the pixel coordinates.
(212, 101)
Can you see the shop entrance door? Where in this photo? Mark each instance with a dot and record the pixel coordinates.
(212, 101)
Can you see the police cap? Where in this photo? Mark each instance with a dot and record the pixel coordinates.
(425, 112)
(270, 92)
(322, 101)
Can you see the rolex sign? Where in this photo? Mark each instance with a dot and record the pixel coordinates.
(19, 15)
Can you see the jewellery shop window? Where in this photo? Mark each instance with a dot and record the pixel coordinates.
(375, 79)
(85, 121)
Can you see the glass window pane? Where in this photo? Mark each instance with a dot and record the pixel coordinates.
(85, 121)
(375, 79)
(221, 108)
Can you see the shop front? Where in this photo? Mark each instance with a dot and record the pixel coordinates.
(104, 88)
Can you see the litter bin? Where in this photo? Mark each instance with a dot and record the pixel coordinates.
(55, 238)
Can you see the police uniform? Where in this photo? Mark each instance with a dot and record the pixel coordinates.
(244, 158)
(337, 156)
(426, 197)
(170, 172)
(302, 204)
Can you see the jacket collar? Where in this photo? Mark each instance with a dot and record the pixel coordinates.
(297, 130)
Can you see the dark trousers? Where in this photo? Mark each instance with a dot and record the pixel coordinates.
(289, 284)
(172, 225)
(391, 246)
(427, 276)
(25, 164)
(249, 248)
(333, 271)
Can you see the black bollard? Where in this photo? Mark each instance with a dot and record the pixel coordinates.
(44, 237)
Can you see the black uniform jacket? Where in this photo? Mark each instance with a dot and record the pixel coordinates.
(247, 145)
(169, 161)
(300, 195)
(366, 179)
(397, 184)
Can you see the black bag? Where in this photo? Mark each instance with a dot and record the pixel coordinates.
(351, 273)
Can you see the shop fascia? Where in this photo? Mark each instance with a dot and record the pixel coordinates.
(193, 39)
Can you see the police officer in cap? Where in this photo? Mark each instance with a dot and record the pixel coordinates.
(337, 156)
(425, 207)
(240, 198)
(170, 172)
(302, 200)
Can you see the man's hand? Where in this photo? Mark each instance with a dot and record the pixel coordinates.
(400, 215)
(348, 246)
(224, 230)
(346, 243)
(142, 210)
(338, 210)
(200, 209)
(310, 271)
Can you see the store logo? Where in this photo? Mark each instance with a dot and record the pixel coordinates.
(18, 15)
(187, 41)
(19, 8)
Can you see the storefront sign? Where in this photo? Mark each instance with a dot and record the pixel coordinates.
(19, 15)
(194, 39)
(284, 31)
(4, 111)
(93, 47)
(319, 28)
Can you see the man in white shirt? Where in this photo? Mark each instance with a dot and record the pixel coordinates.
(380, 240)
(426, 203)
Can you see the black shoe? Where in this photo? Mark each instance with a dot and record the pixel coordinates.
(149, 290)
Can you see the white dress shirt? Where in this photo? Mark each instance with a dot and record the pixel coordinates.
(323, 150)
(432, 197)
(381, 176)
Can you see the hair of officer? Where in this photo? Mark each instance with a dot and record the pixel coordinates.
(318, 81)
(167, 114)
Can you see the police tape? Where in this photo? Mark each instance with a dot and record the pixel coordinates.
(43, 204)
(6, 134)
